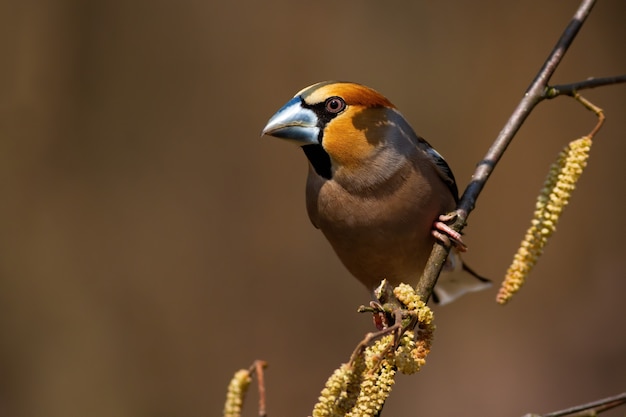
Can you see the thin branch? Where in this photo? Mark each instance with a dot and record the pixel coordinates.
(533, 96)
(592, 408)
(591, 107)
(257, 368)
(570, 89)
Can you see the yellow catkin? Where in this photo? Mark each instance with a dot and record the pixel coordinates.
(360, 389)
(405, 358)
(414, 346)
(412, 352)
(378, 379)
(413, 303)
(236, 393)
(554, 196)
(375, 390)
(341, 390)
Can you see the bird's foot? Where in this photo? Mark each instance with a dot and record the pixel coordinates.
(447, 235)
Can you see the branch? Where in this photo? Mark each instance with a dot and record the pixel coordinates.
(570, 89)
(589, 409)
(534, 95)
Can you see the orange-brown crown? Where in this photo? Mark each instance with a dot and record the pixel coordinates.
(352, 94)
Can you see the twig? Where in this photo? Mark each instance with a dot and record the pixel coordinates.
(396, 329)
(533, 96)
(570, 89)
(591, 107)
(257, 367)
(590, 409)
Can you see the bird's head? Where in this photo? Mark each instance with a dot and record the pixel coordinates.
(338, 124)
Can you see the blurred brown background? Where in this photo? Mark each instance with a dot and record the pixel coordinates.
(151, 243)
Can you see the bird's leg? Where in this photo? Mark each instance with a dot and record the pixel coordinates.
(447, 235)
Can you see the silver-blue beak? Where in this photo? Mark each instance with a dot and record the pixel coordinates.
(294, 122)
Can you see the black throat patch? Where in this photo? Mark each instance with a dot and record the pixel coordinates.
(319, 160)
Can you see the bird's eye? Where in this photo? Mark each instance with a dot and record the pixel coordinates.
(335, 105)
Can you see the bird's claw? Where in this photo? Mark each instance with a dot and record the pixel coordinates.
(447, 235)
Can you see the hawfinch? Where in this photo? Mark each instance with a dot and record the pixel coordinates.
(375, 189)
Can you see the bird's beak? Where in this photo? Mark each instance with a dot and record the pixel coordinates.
(294, 122)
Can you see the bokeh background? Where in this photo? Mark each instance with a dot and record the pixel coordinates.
(151, 243)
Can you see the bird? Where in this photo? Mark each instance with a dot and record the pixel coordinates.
(378, 192)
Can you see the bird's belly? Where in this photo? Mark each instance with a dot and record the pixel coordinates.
(375, 241)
